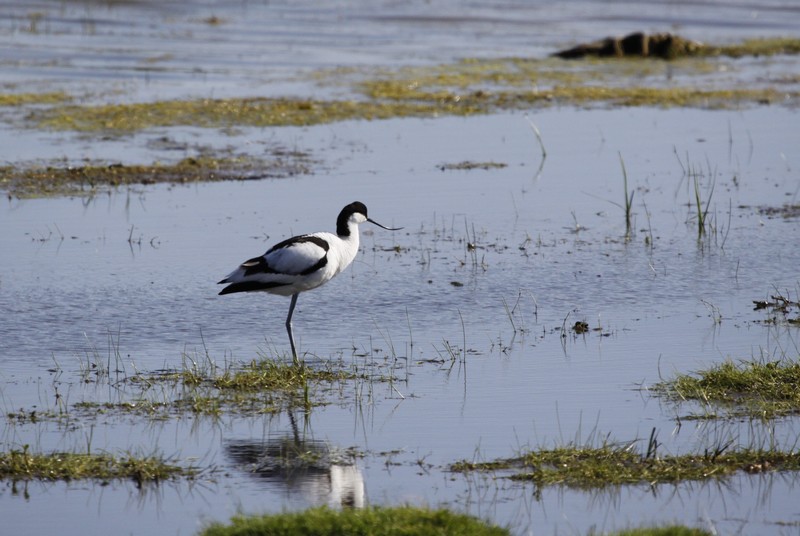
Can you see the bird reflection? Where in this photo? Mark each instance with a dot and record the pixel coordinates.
(312, 469)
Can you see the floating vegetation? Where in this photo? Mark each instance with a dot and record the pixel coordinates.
(586, 467)
(467, 87)
(93, 178)
(376, 521)
(24, 465)
(215, 113)
(755, 47)
(20, 99)
(388, 99)
(761, 389)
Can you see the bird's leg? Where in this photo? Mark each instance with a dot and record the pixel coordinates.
(289, 329)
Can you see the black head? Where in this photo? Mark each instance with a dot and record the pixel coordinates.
(358, 210)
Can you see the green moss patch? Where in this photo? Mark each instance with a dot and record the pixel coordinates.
(374, 521)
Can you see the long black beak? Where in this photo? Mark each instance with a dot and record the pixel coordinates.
(383, 226)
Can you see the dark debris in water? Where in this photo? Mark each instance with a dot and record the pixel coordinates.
(638, 44)
(786, 211)
(669, 46)
(469, 165)
(580, 327)
(780, 308)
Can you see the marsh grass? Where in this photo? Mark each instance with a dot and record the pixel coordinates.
(628, 207)
(702, 210)
(259, 386)
(376, 521)
(25, 465)
(467, 87)
(61, 179)
(385, 100)
(593, 467)
(756, 388)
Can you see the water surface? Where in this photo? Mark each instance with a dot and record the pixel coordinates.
(130, 277)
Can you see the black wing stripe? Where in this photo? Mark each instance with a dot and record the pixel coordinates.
(317, 241)
(318, 266)
(248, 286)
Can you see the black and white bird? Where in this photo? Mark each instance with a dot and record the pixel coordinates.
(302, 262)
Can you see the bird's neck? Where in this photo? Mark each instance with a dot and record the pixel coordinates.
(348, 232)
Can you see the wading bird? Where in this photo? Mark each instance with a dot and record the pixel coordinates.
(302, 262)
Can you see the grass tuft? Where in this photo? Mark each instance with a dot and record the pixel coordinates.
(25, 465)
(764, 389)
(587, 467)
(375, 521)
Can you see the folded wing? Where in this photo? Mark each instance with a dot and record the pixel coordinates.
(280, 268)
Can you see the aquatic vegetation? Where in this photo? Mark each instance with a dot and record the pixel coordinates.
(467, 87)
(261, 386)
(375, 521)
(588, 467)
(93, 178)
(25, 465)
(754, 47)
(20, 99)
(762, 389)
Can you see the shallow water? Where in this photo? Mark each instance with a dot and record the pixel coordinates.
(129, 278)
